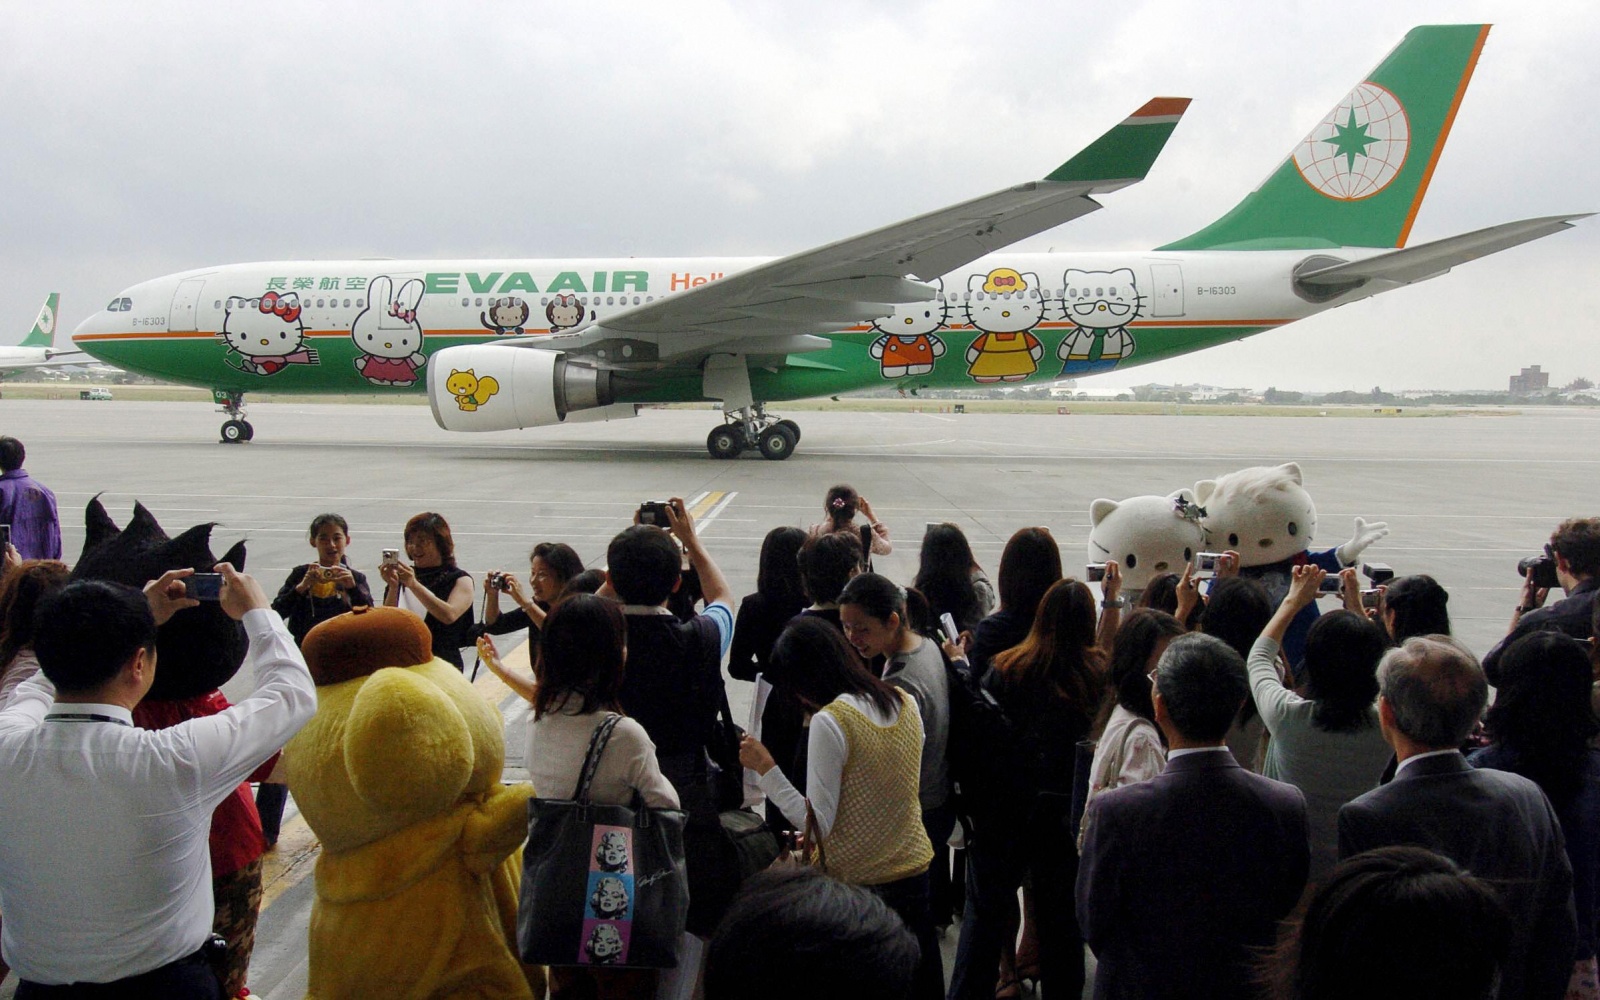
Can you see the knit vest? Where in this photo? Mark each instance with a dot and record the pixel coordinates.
(877, 835)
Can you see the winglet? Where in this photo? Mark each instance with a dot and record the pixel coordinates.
(1124, 155)
(43, 333)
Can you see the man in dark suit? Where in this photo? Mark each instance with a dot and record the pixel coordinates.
(1497, 825)
(1184, 875)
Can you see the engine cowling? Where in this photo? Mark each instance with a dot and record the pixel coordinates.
(486, 387)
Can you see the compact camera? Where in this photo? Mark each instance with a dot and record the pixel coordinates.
(1205, 565)
(1377, 572)
(203, 586)
(498, 581)
(655, 512)
(1095, 572)
(5, 535)
(391, 557)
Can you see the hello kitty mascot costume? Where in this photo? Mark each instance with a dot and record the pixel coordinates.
(1265, 514)
(1146, 536)
(388, 334)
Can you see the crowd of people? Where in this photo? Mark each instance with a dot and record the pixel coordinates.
(1047, 766)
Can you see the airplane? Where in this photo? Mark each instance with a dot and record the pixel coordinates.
(932, 302)
(38, 349)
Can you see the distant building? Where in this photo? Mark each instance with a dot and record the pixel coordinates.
(1531, 380)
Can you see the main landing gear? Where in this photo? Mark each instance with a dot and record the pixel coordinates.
(751, 427)
(236, 429)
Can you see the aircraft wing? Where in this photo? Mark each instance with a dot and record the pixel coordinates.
(58, 359)
(864, 277)
(1428, 260)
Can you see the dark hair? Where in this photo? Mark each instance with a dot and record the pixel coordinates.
(840, 506)
(778, 572)
(1202, 681)
(1419, 607)
(1577, 539)
(1542, 711)
(1128, 683)
(435, 527)
(560, 557)
(1237, 611)
(85, 632)
(323, 520)
(795, 934)
(587, 582)
(919, 614)
(1396, 923)
(582, 650)
(20, 594)
(826, 562)
(12, 454)
(1029, 565)
(1058, 659)
(1161, 593)
(944, 574)
(876, 595)
(1341, 670)
(643, 563)
(1435, 689)
(813, 660)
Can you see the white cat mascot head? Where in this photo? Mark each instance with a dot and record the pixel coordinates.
(1147, 536)
(1265, 514)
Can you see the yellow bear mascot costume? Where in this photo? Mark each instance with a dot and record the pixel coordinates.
(398, 775)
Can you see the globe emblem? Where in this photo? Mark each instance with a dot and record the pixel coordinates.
(47, 320)
(1359, 148)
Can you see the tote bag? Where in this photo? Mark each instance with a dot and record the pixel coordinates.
(602, 886)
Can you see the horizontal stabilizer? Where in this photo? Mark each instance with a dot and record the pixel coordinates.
(1427, 260)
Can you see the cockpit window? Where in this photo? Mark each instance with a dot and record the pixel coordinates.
(119, 305)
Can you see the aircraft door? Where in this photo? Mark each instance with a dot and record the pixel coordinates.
(184, 305)
(1166, 293)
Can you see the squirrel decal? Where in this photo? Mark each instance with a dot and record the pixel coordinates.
(471, 391)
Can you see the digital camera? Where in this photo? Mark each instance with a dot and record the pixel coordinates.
(498, 581)
(1540, 571)
(655, 512)
(1095, 572)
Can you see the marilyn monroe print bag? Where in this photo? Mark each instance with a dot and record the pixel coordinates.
(602, 886)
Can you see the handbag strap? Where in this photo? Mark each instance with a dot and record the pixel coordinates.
(591, 760)
(814, 850)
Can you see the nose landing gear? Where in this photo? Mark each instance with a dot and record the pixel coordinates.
(235, 430)
(751, 427)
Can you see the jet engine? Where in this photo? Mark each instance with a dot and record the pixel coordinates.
(502, 387)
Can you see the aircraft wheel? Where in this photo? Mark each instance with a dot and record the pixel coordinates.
(725, 442)
(235, 432)
(776, 443)
(249, 430)
(794, 429)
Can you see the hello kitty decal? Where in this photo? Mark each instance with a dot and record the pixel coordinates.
(1004, 304)
(908, 345)
(1100, 304)
(265, 334)
(388, 334)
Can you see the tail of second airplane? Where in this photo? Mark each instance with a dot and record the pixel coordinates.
(1359, 177)
(43, 333)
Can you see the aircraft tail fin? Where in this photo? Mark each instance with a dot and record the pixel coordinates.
(43, 333)
(1359, 177)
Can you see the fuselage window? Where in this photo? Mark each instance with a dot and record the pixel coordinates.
(636, 300)
(347, 303)
(359, 303)
(544, 300)
(466, 302)
(477, 302)
(610, 300)
(217, 304)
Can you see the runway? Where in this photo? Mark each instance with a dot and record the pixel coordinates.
(1465, 498)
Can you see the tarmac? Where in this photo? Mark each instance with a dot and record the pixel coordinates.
(1465, 497)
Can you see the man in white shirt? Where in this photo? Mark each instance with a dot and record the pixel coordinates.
(105, 875)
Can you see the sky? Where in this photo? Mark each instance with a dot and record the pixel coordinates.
(142, 139)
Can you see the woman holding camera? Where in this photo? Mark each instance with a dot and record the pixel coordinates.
(325, 588)
(551, 566)
(433, 586)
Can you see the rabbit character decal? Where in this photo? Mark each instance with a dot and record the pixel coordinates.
(388, 335)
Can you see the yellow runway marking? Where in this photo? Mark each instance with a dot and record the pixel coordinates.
(707, 502)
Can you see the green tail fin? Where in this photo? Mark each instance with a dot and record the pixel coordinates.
(1359, 177)
(43, 333)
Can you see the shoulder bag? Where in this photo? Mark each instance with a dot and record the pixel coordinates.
(602, 886)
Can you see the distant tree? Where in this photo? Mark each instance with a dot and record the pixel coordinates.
(1276, 395)
(1577, 385)
(1379, 396)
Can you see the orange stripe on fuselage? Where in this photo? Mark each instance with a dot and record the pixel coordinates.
(1444, 133)
(864, 328)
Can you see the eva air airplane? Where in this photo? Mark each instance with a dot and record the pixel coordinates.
(932, 302)
(38, 349)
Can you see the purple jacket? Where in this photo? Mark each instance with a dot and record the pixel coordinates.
(30, 508)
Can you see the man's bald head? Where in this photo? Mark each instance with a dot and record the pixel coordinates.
(1435, 689)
